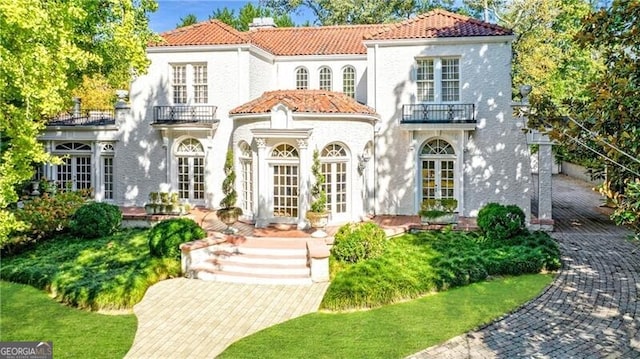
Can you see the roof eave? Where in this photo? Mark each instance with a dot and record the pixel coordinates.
(329, 115)
(196, 48)
(439, 40)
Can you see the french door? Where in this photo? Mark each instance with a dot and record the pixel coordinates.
(74, 173)
(191, 178)
(438, 180)
(285, 190)
(335, 174)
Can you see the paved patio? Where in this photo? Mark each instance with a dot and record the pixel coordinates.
(591, 309)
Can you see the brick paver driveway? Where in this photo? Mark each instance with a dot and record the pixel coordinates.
(589, 311)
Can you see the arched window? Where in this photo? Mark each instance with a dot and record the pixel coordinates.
(325, 79)
(349, 81)
(437, 170)
(334, 161)
(190, 157)
(302, 79)
(285, 181)
(246, 180)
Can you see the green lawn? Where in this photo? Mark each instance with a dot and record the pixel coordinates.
(392, 331)
(28, 314)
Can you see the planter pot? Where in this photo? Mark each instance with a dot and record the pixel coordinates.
(318, 221)
(229, 216)
(448, 218)
(149, 208)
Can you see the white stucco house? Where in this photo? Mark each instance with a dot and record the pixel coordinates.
(399, 112)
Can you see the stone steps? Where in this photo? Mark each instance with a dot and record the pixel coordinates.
(252, 260)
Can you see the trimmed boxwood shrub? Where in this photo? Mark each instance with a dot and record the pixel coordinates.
(96, 219)
(357, 241)
(501, 222)
(165, 237)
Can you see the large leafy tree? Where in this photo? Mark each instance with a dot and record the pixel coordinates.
(46, 47)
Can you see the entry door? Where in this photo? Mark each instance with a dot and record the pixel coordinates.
(191, 178)
(438, 179)
(335, 174)
(74, 173)
(285, 191)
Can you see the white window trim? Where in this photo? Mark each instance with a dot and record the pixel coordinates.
(437, 79)
(189, 82)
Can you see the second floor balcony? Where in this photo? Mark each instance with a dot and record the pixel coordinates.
(438, 116)
(84, 117)
(184, 115)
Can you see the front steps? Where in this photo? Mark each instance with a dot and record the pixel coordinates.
(250, 260)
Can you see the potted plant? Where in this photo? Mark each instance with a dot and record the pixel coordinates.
(318, 214)
(174, 207)
(152, 206)
(165, 204)
(228, 212)
(439, 211)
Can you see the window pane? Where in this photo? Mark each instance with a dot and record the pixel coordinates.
(450, 80)
(108, 177)
(302, 79)
(424, 80)
(200, 88)
(325, 79)
(349, 82)
(179, 84)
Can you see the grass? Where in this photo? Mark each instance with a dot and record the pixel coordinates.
(28, 314)
(111, 272)
(393, 331)
(417, 264)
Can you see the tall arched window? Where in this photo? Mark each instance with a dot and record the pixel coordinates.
(325, 79)
(190, 157)
(437, 170)
(285, 181)
(349, 81)
(334, 161)
(246, 180)
(302, 79)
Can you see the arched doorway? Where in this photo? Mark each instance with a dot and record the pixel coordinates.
(334, 159)
(190, 177)
(284, 163)
(437, 170)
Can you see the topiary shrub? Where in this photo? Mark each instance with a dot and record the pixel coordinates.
(96, 219)
(165, 237)
(501, 222)
(357, 241)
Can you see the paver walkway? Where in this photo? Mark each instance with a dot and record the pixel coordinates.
(186, 318)
(591, 309)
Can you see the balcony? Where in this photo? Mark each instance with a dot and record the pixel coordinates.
(84, 118)
(184, 115)
(438, 116)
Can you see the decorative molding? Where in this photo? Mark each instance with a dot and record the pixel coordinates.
(303, 143)
(261, 142)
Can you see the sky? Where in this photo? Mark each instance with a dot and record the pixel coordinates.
(170, 12)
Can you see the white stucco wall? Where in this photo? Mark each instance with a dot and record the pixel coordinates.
(495, 156)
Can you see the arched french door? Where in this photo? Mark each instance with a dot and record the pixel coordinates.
(190, 160)
(437, 170)
(285, 176)
(74, 173)
(334, 160)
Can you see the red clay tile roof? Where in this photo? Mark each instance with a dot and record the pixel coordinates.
(309, 101)
(438, 23)
(331, 40)
(211, 32)
(324, 40)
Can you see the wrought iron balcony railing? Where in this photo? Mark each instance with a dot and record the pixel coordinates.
(84, 118)
(184, 114)
(438, 113)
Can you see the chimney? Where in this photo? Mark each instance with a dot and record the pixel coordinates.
(262, 22)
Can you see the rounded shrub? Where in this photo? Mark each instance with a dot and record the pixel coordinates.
(357, 241)
(96, 219)
(165, 237)
(501, 222)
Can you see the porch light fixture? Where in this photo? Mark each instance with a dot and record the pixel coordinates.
(362, 162)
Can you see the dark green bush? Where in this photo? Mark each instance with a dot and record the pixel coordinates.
(165, 238)
(357, 241)
(96, 219)
(501, 222)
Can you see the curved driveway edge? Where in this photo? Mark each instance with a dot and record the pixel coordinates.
(591, 309)
(186, 318)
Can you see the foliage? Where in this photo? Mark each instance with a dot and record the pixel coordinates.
(110, 272)
(165, 237)
(96, 219)
(187, 20)
(29, 314)
(318, 194)
(97, 93)
(627, 210)
(501, 222)
(434, 208)
(246, 15)
(44, 217)
(358, 241)
(229, 185)
(338, 12)
(395, 331)
(46, 47)
(414, 265)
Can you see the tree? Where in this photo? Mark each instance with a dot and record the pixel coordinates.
(46, 47)
(246, 15)
(336, 12)
(189, 19)
(96, 92)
